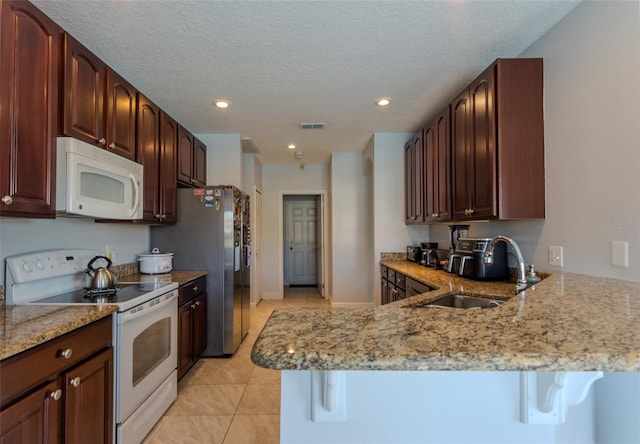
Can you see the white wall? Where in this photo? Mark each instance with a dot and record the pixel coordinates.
(592, 143)
(275, 180)
(251, 184)
(224, 159)
(351, 227)
(390, 234)
(25, 235)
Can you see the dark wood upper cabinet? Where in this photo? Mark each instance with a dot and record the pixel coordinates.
(414, 180)
(148, 150)
(84, 90)
(29, 67)
(497, 143)
(437, 165)
(192, 160)
(120, 116)
(168, 152)
(99, 105)
(185, 156)
(199, 163)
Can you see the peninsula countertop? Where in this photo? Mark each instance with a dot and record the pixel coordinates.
(566, 322)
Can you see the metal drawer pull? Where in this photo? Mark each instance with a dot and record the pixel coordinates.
(56, 395)
(66, 354)
(195, 288)
(75, 381)
(7, 200)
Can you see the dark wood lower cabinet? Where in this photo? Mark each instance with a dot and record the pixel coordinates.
(60, 391)
(34, 418)
(392, 285)
(192, 324)
(89, 401)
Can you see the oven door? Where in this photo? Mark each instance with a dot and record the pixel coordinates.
(147, 343)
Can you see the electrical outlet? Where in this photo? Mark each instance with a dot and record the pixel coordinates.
(555, 256)
(620, 254)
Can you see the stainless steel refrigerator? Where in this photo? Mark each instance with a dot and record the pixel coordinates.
(212, 233)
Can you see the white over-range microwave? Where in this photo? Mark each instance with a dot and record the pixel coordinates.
(94, 182)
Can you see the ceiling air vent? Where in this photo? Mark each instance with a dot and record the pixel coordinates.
(312, 126)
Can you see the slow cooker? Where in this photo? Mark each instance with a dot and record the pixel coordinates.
(155, 262)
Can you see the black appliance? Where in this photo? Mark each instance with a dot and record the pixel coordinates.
(466, 261)
(414, 254)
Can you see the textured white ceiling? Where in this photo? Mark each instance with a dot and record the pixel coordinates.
(285, 62)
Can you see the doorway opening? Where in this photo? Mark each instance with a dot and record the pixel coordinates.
(302, 235)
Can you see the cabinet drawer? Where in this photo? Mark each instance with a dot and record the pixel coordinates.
(400, 280)
(191, 289)
(30, 368)
(391, 276)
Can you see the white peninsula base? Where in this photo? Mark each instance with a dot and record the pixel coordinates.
(436, 407)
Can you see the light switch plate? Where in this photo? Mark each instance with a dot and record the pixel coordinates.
(555, 256)
(620, 254)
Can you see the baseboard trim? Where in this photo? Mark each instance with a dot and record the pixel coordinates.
(351, 304)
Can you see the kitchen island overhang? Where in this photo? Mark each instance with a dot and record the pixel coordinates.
(524, 368)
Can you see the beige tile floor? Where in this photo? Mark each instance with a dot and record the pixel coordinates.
(231, 400)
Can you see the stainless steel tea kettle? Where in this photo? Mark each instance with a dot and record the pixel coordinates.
(101, 278)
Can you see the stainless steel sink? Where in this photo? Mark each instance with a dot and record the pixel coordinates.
(462, 301)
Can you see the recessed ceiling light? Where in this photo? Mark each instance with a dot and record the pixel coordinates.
(222, 104)
(383, 101)
(292, 147)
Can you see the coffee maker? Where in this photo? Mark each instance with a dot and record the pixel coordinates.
(430, 254)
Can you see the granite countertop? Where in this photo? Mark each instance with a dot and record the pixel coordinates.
(26, 326)
(566, 322)
(179, 276)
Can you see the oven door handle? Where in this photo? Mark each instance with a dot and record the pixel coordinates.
(132, 314)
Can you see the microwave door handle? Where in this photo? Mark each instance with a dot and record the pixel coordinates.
(136, 187)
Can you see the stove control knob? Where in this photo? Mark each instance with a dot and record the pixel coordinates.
(39, 264)
(26, 266)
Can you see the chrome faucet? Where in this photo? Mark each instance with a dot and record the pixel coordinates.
(521, 283)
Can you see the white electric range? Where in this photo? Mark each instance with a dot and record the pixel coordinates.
(144, 330)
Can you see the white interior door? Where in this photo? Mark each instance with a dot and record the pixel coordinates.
(320, 243)
(300, 241)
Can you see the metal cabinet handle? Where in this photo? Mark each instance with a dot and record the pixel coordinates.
(66, 354)
(75, 381)
(195, 288)
(112, 145)
(194, 180)
(197, 303)
(102, 141)
(7, 200)
(193, 306)
(56, 395)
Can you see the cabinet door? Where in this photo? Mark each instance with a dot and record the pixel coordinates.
(461, 156)
(121, 116)
(84, 90)
(483, 151)
(168, 150)
(414, 181)
(89, 401)
(148, 150)
(185, 156)
(29, 69)
(36, 418)
(199, 163)
(185, 338)
(442, 164)
(199, 325)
